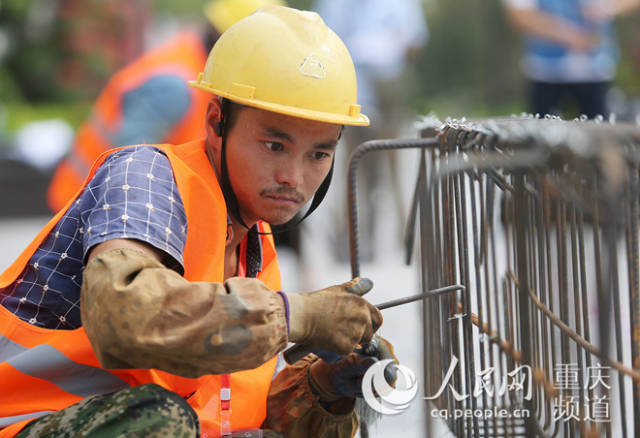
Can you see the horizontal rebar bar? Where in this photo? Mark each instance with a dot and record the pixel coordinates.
(418, 297)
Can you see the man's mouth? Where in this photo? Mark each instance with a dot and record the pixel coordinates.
(288, 196)
(287, 199)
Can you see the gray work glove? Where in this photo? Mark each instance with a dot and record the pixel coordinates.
(336, 318)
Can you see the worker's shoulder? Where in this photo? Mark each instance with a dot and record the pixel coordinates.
(142, 152)
(137, 177)
(145, 160)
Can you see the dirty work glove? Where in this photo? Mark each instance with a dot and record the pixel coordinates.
(332, 381)
(335, 319)
(378, 347)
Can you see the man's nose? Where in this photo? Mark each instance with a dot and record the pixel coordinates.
(290, 173)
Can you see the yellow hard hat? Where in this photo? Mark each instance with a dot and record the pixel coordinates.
(286, 61)
(223, 13)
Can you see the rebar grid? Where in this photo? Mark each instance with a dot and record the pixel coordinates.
(538, 219)
(514, 211)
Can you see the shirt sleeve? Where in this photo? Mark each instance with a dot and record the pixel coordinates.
(151, 111)
(133, 195)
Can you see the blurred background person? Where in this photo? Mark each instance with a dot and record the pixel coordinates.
(148, 101)
(384, 38)
(570, 51)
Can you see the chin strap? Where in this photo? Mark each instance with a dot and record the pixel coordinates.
(320, 193)
(225, 182)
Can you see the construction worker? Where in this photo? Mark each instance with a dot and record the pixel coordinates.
(149, 101)
(147, 306)
(571, 51)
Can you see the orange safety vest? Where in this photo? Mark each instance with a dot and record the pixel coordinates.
(45, 370)
(184, 56)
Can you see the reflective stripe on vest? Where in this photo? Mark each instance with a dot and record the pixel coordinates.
(225, 405)
(47, 363)
(6, 421)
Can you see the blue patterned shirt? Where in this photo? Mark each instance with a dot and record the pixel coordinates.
(133, 195)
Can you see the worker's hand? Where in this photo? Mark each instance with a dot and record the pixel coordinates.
(581, 41)
(331, 381)
(336, 318)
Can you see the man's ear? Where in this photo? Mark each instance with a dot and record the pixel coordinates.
(214, 121)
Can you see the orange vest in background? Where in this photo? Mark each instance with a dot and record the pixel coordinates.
(44, 370)
(184, 56)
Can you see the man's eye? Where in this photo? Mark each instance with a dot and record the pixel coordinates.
(320, 155)
(274, 146)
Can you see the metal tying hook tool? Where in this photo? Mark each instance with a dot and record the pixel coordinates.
(298, 351)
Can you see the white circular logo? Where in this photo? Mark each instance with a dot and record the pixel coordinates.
(397, 399)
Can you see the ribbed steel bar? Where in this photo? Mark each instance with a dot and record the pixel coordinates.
(577, 307)
(522, 264)
(584, 291)
(543, 284)
(534, 269)
(485, 305)
(612, 250)
(354, 161)
(550, 285)
(604, 298)
(463, 237)
(633, 260)
(428, 306)
(480, 304)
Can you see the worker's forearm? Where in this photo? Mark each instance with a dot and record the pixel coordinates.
(536, 23)
(139, 314)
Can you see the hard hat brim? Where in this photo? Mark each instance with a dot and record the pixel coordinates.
(319, 116)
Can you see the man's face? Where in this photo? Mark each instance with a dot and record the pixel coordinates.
(276, 162)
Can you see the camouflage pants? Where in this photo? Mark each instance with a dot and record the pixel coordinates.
(139, 412)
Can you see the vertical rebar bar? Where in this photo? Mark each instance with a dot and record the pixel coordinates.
(429, 347)
(634, 283)
(522, 261)
(461, 215)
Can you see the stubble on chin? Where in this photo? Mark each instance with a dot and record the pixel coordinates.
(279, 218)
